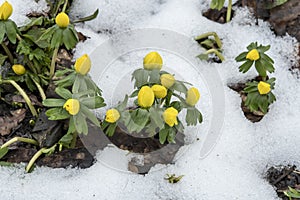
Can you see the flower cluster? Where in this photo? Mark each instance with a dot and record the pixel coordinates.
(259, 94)
(159, 100)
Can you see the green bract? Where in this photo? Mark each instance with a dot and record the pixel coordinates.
(257, 102)
(263, 65)
(10, 29)
(161, 116)
(292, 193)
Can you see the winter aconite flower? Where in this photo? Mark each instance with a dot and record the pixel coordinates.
(192, 96)
(263, 87)
(62, 20)
(159, 91)
(6, 10)
(72, 106)
(112, 115)
(19, 69)
(170, 116)
(153, 61)
(253, 55)
(83, 65)
(145, 97)
(167, 80)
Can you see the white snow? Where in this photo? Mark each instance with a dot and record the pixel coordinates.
(235, 168)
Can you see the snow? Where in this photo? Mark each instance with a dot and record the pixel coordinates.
(235, 168)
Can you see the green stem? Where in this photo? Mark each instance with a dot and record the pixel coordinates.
(33, 159)
(73, 143)
(52, 68)
(206, 35)
(39, 87)
(19, 139)
(65, 6)
(215, 51)
(229, 8)
(264, 78)
(8, 53)
(23, 94)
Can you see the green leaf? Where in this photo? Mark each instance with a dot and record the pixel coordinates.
(64, 93)
(57, 114)
(156, 115)
(260, 68)
(109, 128)
(91, 116)
(123, 104)
(54, 102)
(56, 40)
(80, 123)
(66, 140)
(34, 22)
(154, 76)
(171, 135)
(68, 39)
(2, 31)
(11, 31)
(193, 116)
(217, 4)
(203, 56)
(246, 66)
(134, 93)
(88, 18)
(241, 57)
(3, 152)
(179, 86)
(251, 46)
(163, 134)
(93, 102)
(141, 77)
(2, 59)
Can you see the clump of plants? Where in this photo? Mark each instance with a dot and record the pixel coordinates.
(25, 65)
(258, 92)
(211, 42)
(158, 100)
(219, 4)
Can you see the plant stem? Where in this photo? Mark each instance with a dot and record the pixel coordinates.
(19, 139)
(65, 6)
(229, 8)
(205, 35)
(215, 51)
(52, 68)
(23, 94)
(264, 78)
(39, 87)
(34, 158)
(73, 143)
(8, 53)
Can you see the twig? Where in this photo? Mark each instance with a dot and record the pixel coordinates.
(284, 175)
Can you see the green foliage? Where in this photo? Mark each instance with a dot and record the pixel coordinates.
(257, 102)
(172, 178)
(8, 28)
(263, 65)
(292, 193)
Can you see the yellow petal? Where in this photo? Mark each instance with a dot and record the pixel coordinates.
(19, 69)
(112, 115)
(6, 10)
(167, 80)
(192, 96)
(170, 116)
(153, 61)
(62, 20)
(83, 64)
(145, 97)
(263, 88)
(72, 106)
(159, 91)
(253, 55)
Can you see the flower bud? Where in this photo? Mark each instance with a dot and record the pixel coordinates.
(192, 96)
(112, 115)
(153, 61)
(263, 87)
(145, 97)
(72, 106)
(19, 69)
(253, 55)
(62, 20)
(83, 64)
(167, 80)
(6, 10)
(159, 91)
(170, 116)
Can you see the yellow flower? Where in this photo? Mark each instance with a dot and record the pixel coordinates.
(170, 116)
(192, 96)
(145, 97)
(6, 10)
(19, 69)
(159, 91)
(167, 80)
(112, 115)
(253, 55)
(72, 106)
(62, 20)
(263, 87)
(153, 61)
(83, 64)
